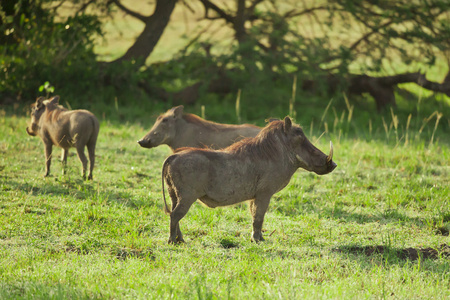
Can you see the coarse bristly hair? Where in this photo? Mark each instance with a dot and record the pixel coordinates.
(269, 144)
(54, 110)
(194, 119)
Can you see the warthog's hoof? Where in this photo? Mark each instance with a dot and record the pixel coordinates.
(175, 241)
(257, 239)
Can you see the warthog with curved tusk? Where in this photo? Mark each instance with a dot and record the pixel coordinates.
(252, 169)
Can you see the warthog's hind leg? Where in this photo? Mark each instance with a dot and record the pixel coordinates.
(91, 151)
(258, 208)
(180, 210)
(82, 157)
(173, 197)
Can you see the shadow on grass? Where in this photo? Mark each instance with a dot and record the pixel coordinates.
(342, 215)
(386, 216)
(125, 253)
(32, 290)
(404, 254)
(74, 189)
(52, 184)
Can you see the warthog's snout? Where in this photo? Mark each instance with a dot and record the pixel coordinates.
(331, 166)
(328, 164)
(30, 132)
(328, 168)
(144, 143)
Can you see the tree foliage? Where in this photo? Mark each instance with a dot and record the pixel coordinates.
(337, 34)
(332, 45)
(36, 47)
(329, 45)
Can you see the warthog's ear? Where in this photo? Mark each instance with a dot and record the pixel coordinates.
(39, 102)
(54, 100)
(287, 124)
(177, 111)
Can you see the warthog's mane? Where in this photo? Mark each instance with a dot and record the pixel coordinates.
(53, 110)
(269, 144)
(196, 120)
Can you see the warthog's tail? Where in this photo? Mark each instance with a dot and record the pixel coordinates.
(163, 173)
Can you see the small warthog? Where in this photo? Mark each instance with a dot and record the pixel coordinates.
(64, 128)
(252, 169)
(178, 130)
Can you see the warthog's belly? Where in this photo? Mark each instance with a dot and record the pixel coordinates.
(61, 140)
(212, 203)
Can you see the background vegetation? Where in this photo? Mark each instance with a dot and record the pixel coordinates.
(377, 227)
(201, 52)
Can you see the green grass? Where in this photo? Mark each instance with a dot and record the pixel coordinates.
(64, 238)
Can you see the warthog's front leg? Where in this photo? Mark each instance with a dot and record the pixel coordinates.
(177, 214)
(48, 158)
(258, 208)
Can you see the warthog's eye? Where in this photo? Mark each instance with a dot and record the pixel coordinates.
(165, 120)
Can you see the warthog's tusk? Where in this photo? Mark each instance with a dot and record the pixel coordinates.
(330, 156)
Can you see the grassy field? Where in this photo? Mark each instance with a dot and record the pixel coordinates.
(377, 227)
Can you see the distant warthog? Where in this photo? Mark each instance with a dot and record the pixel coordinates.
(178, 130)
(64, 128)
(251, 169)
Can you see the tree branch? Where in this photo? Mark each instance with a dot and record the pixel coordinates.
(130, 12)
(186, 4)
(55, 8)
(293, 13)
(367, 35)
(84, 6)
(382, 88)
(252, 6)
(443, 87)
(209, 5)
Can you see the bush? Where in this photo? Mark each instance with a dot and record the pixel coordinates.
(38, 48)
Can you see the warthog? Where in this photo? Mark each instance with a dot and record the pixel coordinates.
(56, 125)
(178, 130)
(252, 169)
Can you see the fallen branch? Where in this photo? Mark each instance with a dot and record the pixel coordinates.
(382, 88)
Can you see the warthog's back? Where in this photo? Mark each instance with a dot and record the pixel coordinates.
(70, 127)
(178, 130)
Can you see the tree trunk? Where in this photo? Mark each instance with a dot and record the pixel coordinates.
(147, 40)
(239, 22)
